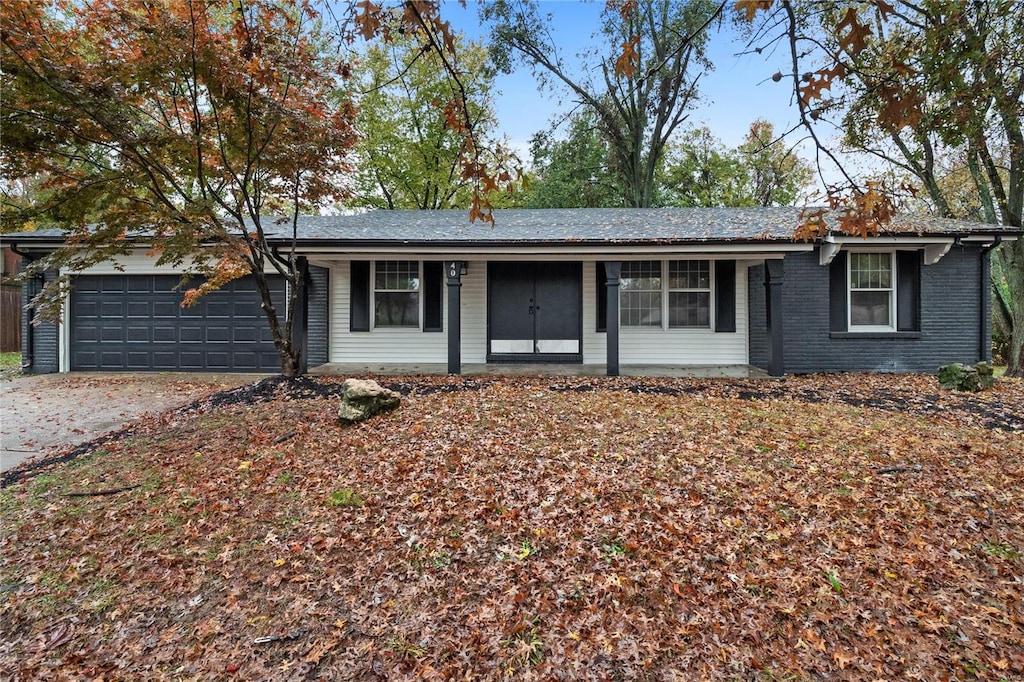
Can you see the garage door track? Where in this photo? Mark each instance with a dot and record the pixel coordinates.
(42, 415)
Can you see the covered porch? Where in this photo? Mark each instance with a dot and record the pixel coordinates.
(539, 370)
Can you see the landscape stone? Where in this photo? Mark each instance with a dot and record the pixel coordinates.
(961, 377)
(363, 398)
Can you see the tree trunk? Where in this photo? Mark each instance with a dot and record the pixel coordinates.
(1012, 260)
(289, 361)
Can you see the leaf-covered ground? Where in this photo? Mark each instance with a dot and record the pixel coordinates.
(830, 527)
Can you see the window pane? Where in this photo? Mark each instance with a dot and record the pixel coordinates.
(641, 276)
(689, 309)
(689, 274)
(869, 308)
(640, 308)
(397, 309)
(401, 275)
(871, 270)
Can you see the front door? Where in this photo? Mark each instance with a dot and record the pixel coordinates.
(534, 312)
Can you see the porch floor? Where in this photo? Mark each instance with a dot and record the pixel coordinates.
(542, 370)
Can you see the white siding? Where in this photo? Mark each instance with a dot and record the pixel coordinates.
(690, 346)
(636, 346)
(474, 313)
(138, 263)
(595, 343)
(409, 345)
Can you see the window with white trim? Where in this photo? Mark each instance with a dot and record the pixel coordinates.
(646, 299)
(689, 293)
(872, 290)
(396, 293)
(640, 294)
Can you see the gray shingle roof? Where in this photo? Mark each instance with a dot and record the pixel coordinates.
(572, 225)
(603, 225)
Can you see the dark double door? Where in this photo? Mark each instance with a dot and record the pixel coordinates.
(534, 312)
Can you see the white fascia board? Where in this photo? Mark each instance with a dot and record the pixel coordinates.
(756, 251)
(934, 247)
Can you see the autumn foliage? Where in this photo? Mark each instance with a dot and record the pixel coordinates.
(186, 127)
(849, 527)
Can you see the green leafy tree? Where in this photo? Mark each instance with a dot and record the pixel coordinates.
(407, 156)
(639, 89)
(774, 175)
(574, 171)
(700, 171)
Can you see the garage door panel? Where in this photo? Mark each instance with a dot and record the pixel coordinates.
(218, 334)
(113, 284)
(168, 309)
(136, 322)
(162, 334)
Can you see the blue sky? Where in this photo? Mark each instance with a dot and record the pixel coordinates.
(738, 90)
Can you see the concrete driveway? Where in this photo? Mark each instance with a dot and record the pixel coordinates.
(45, 414)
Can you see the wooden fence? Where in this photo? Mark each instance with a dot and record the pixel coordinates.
(10, 319)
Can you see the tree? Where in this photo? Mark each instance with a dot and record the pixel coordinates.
(575, 171)
(644, 82)
(914, 83)
(700, 171)
(181, 125)
(774, 175)
(408, 156)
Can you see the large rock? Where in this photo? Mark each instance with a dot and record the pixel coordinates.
(361, 399)
(963, 377)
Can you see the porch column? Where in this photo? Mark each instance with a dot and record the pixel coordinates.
(612, 271)
(453, 269)
(300, 321)
(773, 272)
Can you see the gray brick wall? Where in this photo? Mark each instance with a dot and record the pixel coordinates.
(757, 329)
(42, 355)
(319, 315)
(950, 319)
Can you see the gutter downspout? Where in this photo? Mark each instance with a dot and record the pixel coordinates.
(986, 295)
(28, 353)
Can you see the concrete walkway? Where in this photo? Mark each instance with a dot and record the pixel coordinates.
(44, 414)
(542, 370)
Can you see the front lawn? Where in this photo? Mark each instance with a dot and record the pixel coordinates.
(832, 527)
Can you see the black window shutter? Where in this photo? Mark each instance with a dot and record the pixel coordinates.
(433, 295)
(837, 293)
(908, 291)
(725, 296)
(602, 297)
(359, 308)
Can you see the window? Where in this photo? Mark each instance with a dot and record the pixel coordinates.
(686, 292)
(640, 294)
(871, 291)
(396, 293)
(689, 293)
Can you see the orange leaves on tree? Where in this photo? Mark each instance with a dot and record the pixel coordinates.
(368, 19)
(750, 8)
(815, 82)
(628, 63)
(852, 34)
(902, 107)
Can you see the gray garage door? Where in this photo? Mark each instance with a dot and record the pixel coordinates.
(136, 322)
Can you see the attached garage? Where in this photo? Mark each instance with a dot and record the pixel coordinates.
(137, 323)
